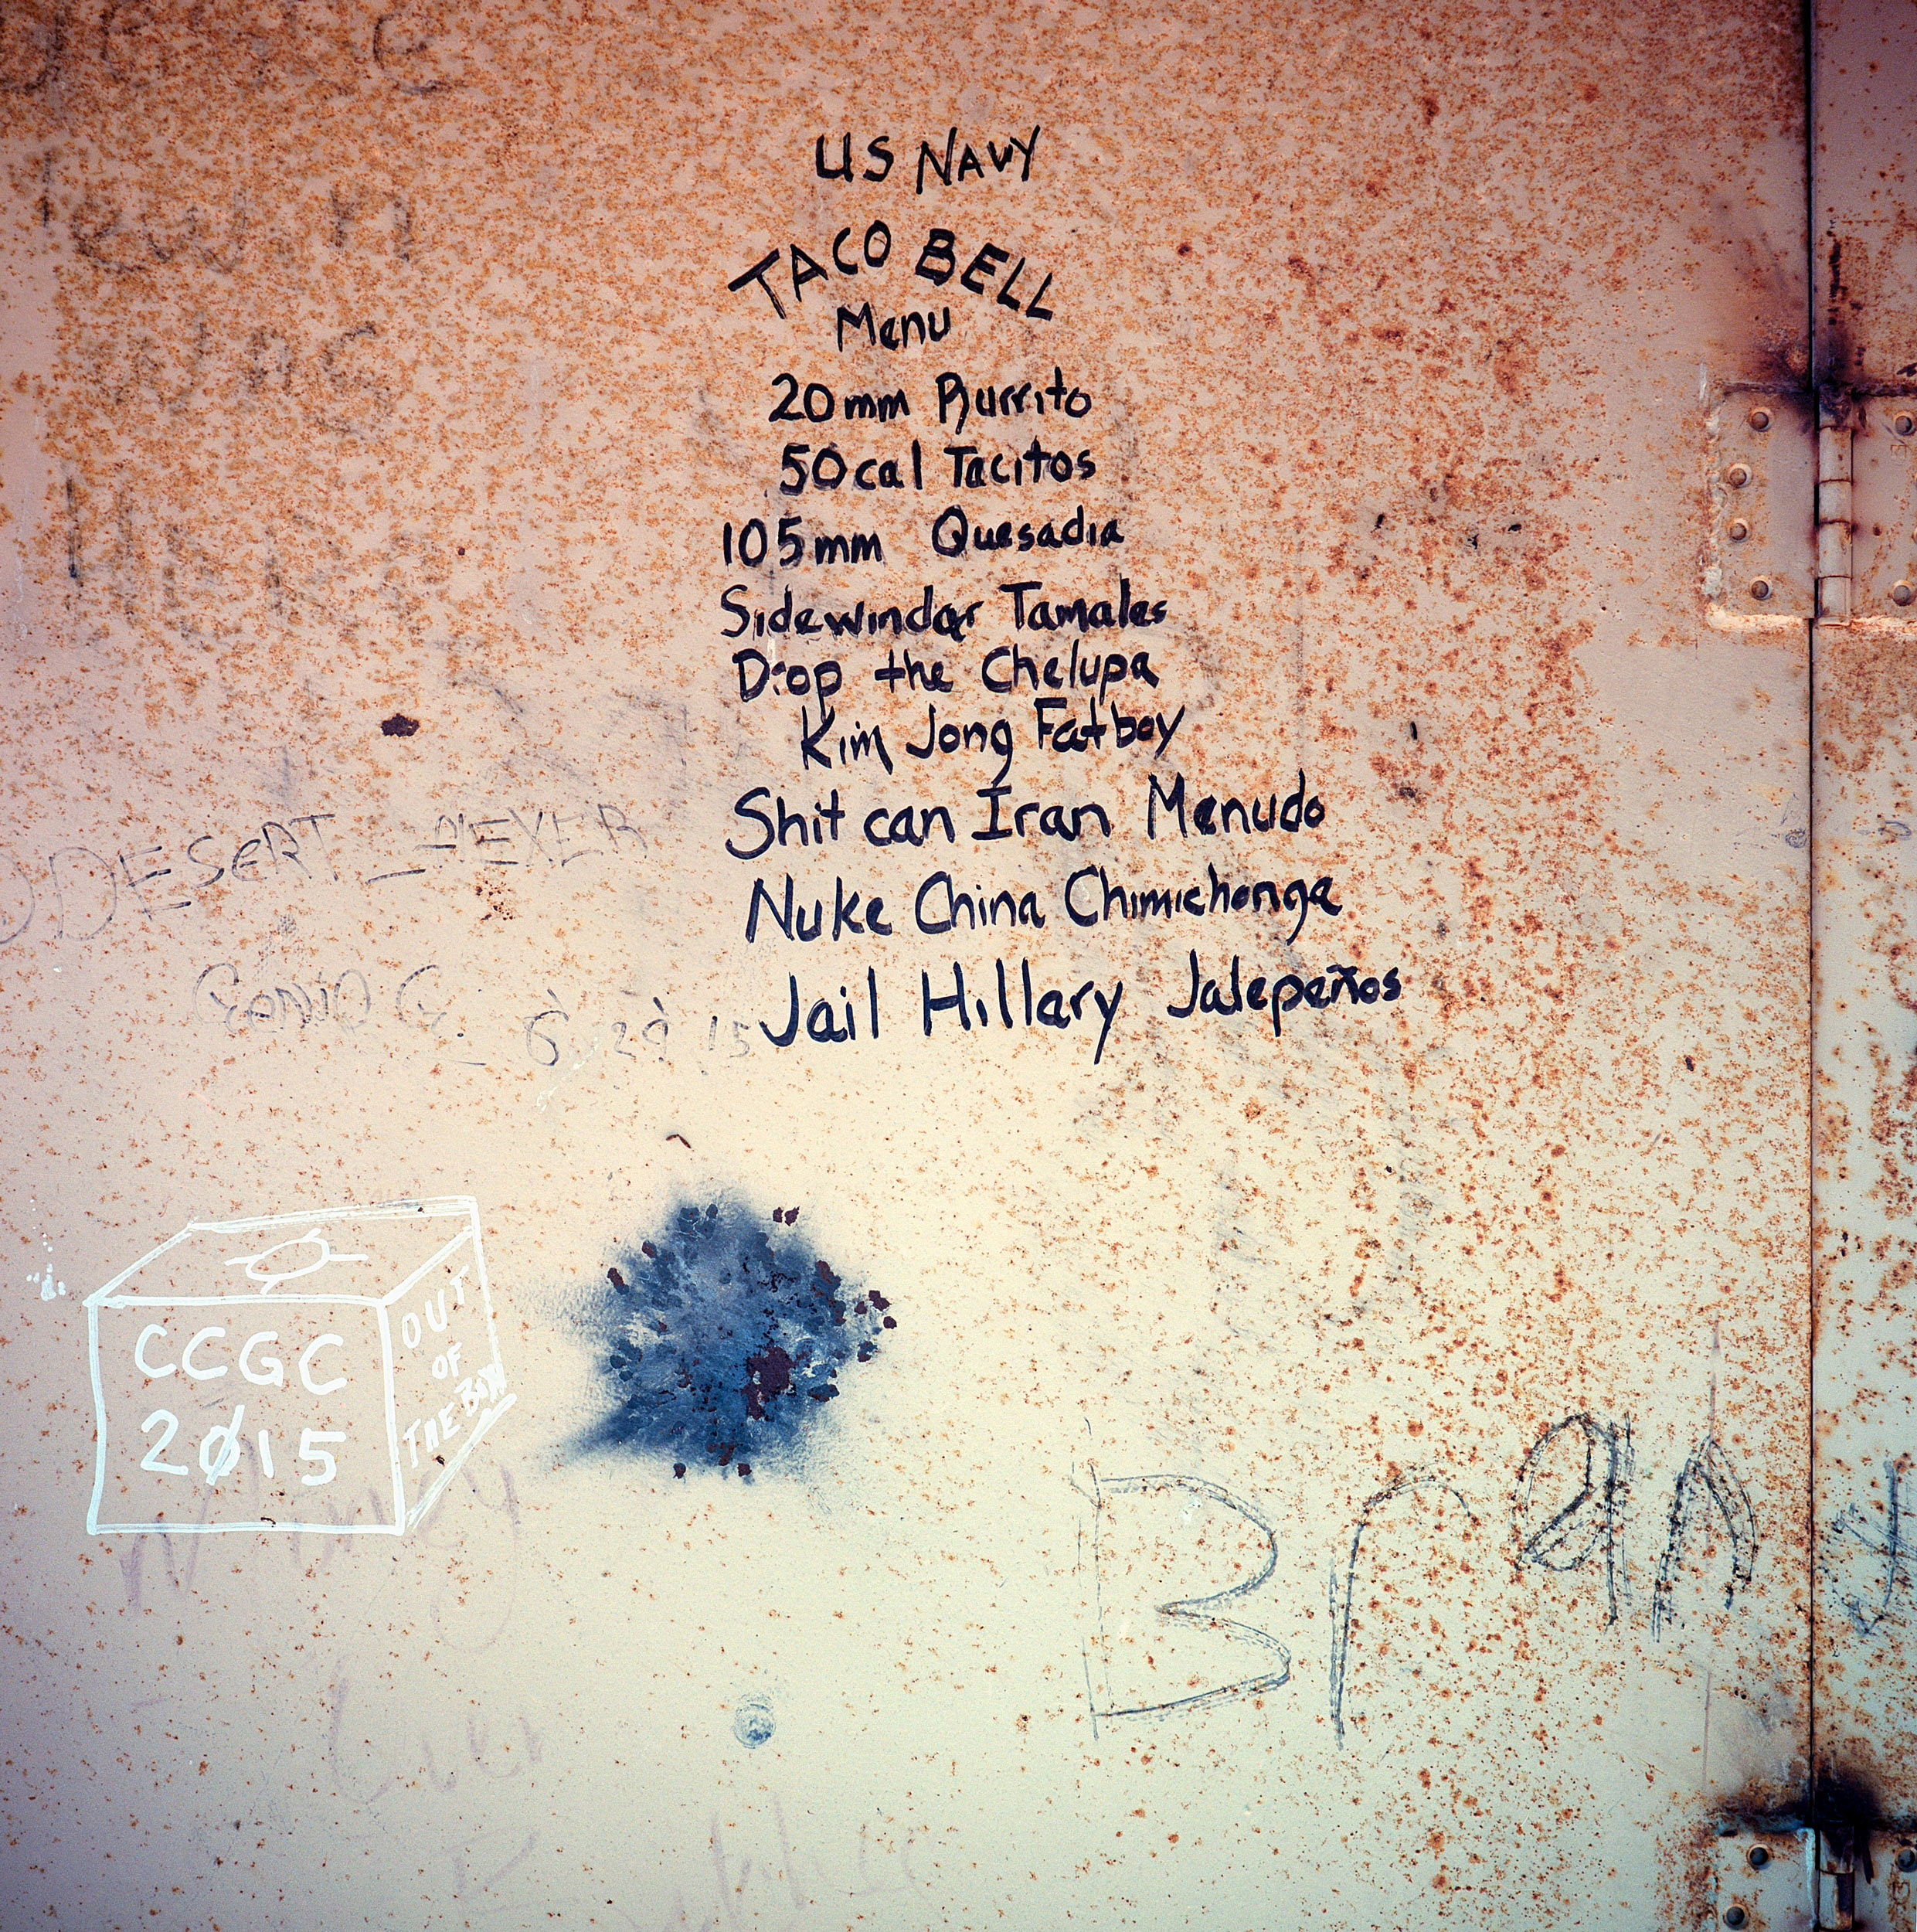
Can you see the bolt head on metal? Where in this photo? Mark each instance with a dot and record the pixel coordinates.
(1761, 588)
(1737, 475)
(1736, 1915)
(1739, 531)
(1902, 593)
(1760, 419)
(1904, 423)
(1907, 1860)
(1759, 1857)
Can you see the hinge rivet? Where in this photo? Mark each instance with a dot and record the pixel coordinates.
(1737, 475)
(1904, 423)
(1760, 588)
(1759, 1857)
(1760, 419)
(1902, 593)
(1907, 1860)
(1737, 1916)
(1739, 531)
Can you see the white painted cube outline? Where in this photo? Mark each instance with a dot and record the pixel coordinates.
(294, 1226)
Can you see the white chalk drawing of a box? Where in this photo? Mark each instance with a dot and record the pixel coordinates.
(325, 1371)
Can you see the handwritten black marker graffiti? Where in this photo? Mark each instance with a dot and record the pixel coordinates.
(1850, 1522)
(938, 262)
(1571, 1534)
(953, 533)
(1210, 817)
(1340, 1593)
(967, 167)
(820, 405)
(893, 333)
(1090, 896)
(927, 617)
(821, 1026)
(1203, 1610)
(1050, 1009)
(1288, 990)
(957, 396)
(1706, 1481)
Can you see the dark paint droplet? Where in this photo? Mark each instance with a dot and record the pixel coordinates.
(760, 1327)
(752, 1723)
(398, 726)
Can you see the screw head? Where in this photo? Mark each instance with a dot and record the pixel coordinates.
(1904, 423)
(1760, 419)
(1738, 530)
(1737, 475)
(1907, 1859)
(1902, 593)
(1761, 589)
(1737, 1916)
(1759, 1857)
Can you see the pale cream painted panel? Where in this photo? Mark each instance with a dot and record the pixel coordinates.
(1344, 1467)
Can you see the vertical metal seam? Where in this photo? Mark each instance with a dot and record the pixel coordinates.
(1808, 30)
(1811, 1194)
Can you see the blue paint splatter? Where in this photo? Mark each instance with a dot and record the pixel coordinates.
(753, 1722)
(726, 1341)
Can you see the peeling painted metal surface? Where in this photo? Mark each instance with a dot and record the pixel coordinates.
(1867, 235)
(1865, 699)
(1339, 1466)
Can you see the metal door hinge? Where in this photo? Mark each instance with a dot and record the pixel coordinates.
(1797, 1879)
(1763, 504)
(1834, 508)
(1814, 510)
(1760, 1881)
(1884, 511)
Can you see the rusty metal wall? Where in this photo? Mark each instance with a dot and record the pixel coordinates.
(1866, 259)
(1338, 1467)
